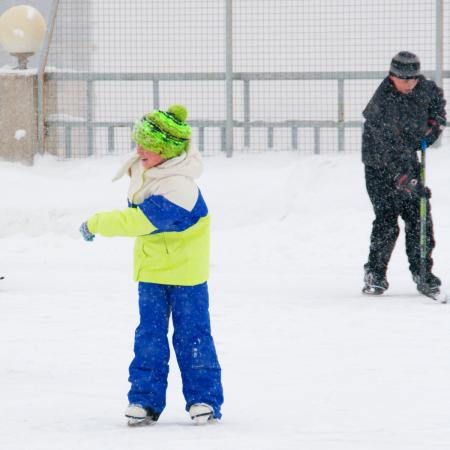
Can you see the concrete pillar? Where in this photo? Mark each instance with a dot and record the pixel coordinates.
(18, 116)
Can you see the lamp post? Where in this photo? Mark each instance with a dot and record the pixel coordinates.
(22, 30)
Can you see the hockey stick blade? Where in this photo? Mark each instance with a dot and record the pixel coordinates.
(440, 297)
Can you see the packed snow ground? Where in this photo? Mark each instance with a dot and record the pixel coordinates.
(308, 361)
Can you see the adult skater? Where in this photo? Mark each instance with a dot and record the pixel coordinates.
(170, 220)
(405, 109)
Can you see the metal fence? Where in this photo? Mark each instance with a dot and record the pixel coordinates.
(255, 75)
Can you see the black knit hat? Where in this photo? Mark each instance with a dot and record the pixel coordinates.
(405, 65)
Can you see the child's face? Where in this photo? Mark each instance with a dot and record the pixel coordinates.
(149, 159)
(404, 86)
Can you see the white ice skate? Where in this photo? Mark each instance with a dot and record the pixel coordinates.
(138, 416)
(201, 413)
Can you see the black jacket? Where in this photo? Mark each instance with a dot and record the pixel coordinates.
(396, 123)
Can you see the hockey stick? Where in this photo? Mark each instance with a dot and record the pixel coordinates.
(423, 216)
(441, 296)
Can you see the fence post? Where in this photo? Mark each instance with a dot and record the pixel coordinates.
(317, 140)
(246, 113)
(270, 138)
(155, 94)
(341, 116)
(68, 141)
(201, 139)
(294, 137)
(439, 42)
(89, 118)
(438, 74)
(41, 79)
(229, 76)
(111, 139)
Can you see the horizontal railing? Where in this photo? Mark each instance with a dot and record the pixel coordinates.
(247, 124)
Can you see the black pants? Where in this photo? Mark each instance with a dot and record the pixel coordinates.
(389, 203)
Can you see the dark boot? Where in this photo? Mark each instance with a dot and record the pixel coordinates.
(374, 283)
(431, 284)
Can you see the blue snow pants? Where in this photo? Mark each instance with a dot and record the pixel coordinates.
(192, 342)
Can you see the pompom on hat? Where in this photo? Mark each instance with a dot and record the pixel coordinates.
(163, 132)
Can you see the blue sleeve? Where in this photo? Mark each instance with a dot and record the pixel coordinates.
(167, 216)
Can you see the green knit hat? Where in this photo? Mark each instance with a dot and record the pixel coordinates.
(165, 133)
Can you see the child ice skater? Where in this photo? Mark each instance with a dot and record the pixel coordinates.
(405, 110)
(169, 218)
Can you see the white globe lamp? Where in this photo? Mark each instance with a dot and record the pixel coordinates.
(22, 30)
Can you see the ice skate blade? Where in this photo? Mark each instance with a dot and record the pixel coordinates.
(201, 414)
(134, 422)
(203, 419)
(372, 291)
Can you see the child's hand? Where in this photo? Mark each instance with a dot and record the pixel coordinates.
(406, 183)
(87, 235)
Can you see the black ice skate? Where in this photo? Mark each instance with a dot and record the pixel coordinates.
(139, 416)
(374, 284)
(431, 287)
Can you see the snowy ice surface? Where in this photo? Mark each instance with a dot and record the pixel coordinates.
(308, 361)
(20, 134)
